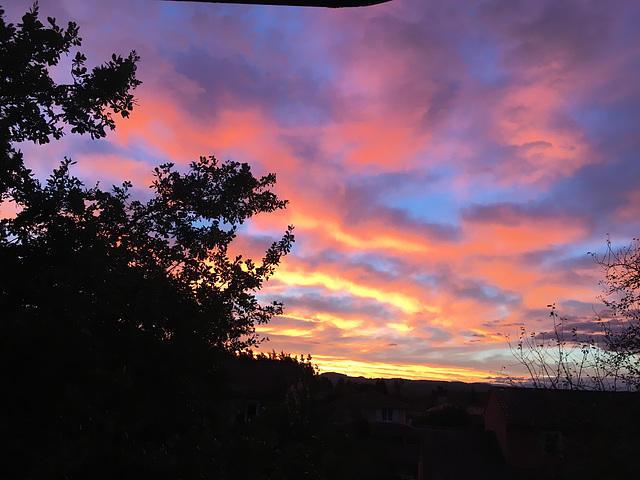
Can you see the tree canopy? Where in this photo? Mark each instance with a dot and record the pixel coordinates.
(87, 256)
(102, 256)
(621, 284)
(115, 312)
(35, 108)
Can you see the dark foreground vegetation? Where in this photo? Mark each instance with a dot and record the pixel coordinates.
(116, 316)
(607, 359)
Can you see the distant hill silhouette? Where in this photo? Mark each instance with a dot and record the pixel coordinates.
(414, 387)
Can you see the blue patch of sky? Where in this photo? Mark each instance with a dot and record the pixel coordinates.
(269, 235)
(482, 58)
(431, 200)
(171, 10)
(440, 202)
(433, 208)
(300, 42)
(512, 194)
(377, 262)
(310, 65)
(428, 280)
(179, 10)
(492, 353)
(580, 306)
(292, 114)
(276, 19)
(491, 292)
(487, 185)
(178, 15)
(137, 151)
(298, 291)
(581, 248)
(609, 121)
(332, 256)
(287, 33)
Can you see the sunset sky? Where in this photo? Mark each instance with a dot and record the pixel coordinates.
(449, 164)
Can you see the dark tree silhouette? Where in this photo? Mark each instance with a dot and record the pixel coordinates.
(88, 256)
(621, 284)
(114, 312)
(34, 108)
(98, 256)
(608, 360)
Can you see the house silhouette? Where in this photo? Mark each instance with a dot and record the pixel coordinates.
(566, 433)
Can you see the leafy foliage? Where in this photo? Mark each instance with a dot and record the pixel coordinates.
(565, 359)
(116, 314)
(34, 108)
(621, 284)
(161, 266)
(99, 256)
(609, 360)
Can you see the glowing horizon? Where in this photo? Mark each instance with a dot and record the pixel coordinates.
(408, 372)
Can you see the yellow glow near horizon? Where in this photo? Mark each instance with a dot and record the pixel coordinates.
(355, 368)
